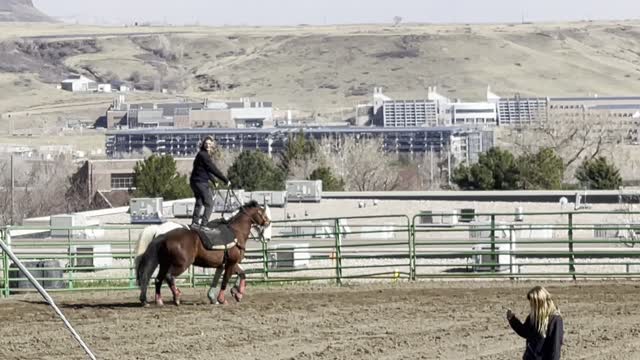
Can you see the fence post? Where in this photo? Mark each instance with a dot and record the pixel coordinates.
(412, 248)
(512, 232)
(493, 243)
(265, 261)
(72, 258)
(572, 268)
(131, 265)
(5, 266)
(338, 237)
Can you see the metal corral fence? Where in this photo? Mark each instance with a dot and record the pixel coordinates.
(571, 245)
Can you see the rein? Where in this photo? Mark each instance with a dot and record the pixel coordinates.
(241, 210)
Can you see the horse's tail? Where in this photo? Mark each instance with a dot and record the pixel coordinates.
(145, 238)
(148, 261)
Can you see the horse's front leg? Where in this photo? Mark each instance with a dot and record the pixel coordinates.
(214, 284)
(228, 271)
(238, 290)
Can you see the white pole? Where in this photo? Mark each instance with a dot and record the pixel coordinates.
(48, 298)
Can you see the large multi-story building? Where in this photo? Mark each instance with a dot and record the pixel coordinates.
(204, 114)
(436, 110)
(519, 111)
(409, 113)
(609, 106)
(469, 143)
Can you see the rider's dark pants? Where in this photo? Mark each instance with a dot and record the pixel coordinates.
(202, 193)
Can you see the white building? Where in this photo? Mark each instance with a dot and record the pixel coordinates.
(462, 113)
(409, 113)
(104, 88)
(436, 110)
(78, 83)
(248, 113)
(245, 113)
(443, 104)
(473, 113)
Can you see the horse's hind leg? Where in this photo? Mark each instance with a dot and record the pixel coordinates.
(238, 290)
(143, 295)
(162, 274)
(171, 281)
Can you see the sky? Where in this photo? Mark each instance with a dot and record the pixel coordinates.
(322, 12)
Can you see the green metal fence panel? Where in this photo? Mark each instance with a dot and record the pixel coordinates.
(504, 245)
(332, 249)
(77, 258)
(571, 245)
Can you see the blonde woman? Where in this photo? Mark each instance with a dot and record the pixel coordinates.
(543, 328)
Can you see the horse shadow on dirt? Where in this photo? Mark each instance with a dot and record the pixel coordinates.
(458, 270)
(112, 305)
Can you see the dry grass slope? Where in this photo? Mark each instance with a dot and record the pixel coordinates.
(20, 10)
(326, 68)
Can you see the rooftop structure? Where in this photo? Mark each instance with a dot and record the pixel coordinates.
(244, 113)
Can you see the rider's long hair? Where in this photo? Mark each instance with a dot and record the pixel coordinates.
(214, 153)
(542, 308)
(209, 137)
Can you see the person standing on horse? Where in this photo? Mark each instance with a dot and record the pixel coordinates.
(203, 171)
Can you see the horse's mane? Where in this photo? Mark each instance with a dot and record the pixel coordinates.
(248, 205)
(251, 204)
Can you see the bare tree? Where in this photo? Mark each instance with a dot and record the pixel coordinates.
(574, 137)
(301, 170)
(362, 164)
(224, 159)
(431, 174)
(40, 188)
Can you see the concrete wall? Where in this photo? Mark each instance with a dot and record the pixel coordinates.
(100, 171)
(211, 118)
(115, 118)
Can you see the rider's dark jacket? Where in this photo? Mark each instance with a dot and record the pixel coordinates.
(204, 169)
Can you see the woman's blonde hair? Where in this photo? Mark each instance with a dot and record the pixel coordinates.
(208, 137)
(542, 308)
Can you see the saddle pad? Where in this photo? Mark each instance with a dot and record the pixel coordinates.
(220, 237)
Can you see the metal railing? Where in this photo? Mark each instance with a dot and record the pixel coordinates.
(585, 244)
(571, 245)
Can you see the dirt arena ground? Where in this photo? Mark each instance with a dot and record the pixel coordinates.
(422, 320)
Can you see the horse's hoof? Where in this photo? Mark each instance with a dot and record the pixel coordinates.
(236, 294)
(177, 302)
(159, 302)
(224, 302)
(145, 304)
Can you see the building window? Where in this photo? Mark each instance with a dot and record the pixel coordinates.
(121, 181)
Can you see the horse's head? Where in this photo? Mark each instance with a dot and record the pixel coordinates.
(256, 213)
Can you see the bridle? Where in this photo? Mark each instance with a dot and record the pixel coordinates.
(254, 224)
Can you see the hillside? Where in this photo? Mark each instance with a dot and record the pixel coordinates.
(20, 11)
(325, 69)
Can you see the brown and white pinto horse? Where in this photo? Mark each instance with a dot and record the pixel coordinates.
(179, 248)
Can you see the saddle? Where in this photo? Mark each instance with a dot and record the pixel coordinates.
(219, 237)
